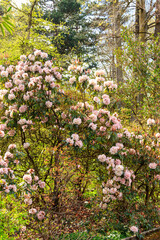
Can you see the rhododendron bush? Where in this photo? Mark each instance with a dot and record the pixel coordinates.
(66, 134)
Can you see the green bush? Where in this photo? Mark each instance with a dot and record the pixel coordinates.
(12, 217)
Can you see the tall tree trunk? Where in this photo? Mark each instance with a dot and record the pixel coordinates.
(56, 191)
(113, 67)
(142, 20)
(157, 16)
(118, 43)
(137, 20)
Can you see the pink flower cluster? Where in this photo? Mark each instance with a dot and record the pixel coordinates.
(74, 140)
(6, 173)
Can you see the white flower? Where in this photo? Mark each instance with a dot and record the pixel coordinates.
(26, 145)
(150, 121)
(72, 80)
(119, 170)
(4, 73)
(102, 158)
(27, 178)
(49, 104)
(11, 96)
(77, 121)
(114, 150)
(100, 72)
(75, 136)
(134, 229)
(23, 57)
(22, 121)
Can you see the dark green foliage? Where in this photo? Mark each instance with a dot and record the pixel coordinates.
(73, 30)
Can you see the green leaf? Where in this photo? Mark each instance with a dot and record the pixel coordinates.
(7, 27)
(2, 29)
(9, 9)
(10, 23)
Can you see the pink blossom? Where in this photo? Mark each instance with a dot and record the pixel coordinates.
(70, 141)
(150, 121)
(134, 229)
(22, 121)
(32, 211)
(93, 126)
(105, 190)
(119, 170)
(48, 104)
(157, 177)
(102, 120)
(102, 158)
(153, 165)
(23, 108)
(26, 97)
(2, 134)
(63, 115)
(26, 145)
(113, 150)
(16, 161)
(41, 184)
(98, 88)
(36, 178)
(11, 133)
(127, 174)
(77, 121)
(79, 143)
(93, 117)
(48, 78)
(23, 57)
(116, 126)
(44, 55)
(28, 201)
(118, 162)
(52, 85)
(27, 178)
(83, 78)
(8, 155)
(96, 99)
(23, 228)
(37, 53)
(100, 72)
(4, 73)
(132, 151)
(100, 79)
(30, 171)
(21, 87)
(72, 80)
(11, 96)
(12, 146)
(75, 136)
(119, 135)
(157, 135)
(119, 145)
(120, 196)
(113, 190)
(31, 57)
(8, 84)
(41, 215)
(102, 129)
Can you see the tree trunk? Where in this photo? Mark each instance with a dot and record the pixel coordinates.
(137, 20)
(56, 191)
(157, 21)
(142, 20)
(118, 43)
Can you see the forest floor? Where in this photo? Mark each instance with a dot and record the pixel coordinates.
(153, 236)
